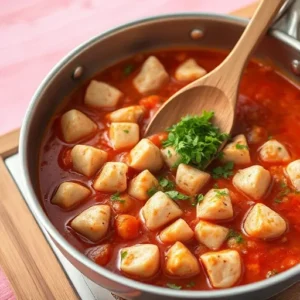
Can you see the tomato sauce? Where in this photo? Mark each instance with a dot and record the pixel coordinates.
(266, 100)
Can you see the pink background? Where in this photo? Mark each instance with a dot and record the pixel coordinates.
(35, 34)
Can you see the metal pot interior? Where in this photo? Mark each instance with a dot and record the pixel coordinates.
(217, 32)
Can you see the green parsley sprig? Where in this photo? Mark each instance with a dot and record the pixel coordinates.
(116, 197)
(236, 235)
(195, 139)
(224, 171)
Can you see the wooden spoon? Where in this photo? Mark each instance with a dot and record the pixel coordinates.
(218, 90)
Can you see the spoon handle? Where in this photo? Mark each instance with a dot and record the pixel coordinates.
(234, 64)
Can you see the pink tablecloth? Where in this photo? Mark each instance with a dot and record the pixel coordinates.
(35, 34)
(6, 292)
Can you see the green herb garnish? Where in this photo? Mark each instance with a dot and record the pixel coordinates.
(215, 186)
(241, 147)
(166, 184)
(199, 198)
(220, 194)
(169, 153)
(123, 254)
(225, 171)
(126, 131)
(128, 70)
(270, 137)
(195, 139)
(191, 284)
(152, 191)
(236, 235)
(176, 195)
(174, 286)
(116, 197)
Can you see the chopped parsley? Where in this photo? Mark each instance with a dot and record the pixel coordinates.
(216, 186)
(236, 235)
(270, 137)
(126, 131)
(241, 147)
(191, 284)
(169, 153)
(174, 286)
(176, 195)
(195, 139)
(152, 191)
(128, 70)
(284, 192)
(166, 184)
(225, 171)
(199, 198)
(116, 197)
(123, 254)
(220, 194)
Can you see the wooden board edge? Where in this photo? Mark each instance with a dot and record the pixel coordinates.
(9, 143)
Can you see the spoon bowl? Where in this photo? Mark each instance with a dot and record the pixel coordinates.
(218, 90)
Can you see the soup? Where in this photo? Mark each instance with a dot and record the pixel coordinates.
(142, 208)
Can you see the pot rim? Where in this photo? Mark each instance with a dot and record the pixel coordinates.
(39, 213)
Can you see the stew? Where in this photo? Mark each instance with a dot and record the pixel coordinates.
(145, 207)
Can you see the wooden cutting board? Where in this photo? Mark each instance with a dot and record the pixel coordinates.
(25, 255)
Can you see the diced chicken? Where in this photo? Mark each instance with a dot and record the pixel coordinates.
(272, 151)
(216, 205)
(191, 180)
(211, 235)
(70, 194)
(145, 155)
(237, 151)
(293, 172)
(181, 262)
(101, 95)
(189, 70)
(93, 222)
(151, 77)
(160, 210)
(124, 135)
(224, 268)
(140, 260)
(75, 126)
(264, 223)
(112, 178)
(170, 156)
(141, 184)
(177, 231)
(130, 114)
(253, 181)
(87, 160)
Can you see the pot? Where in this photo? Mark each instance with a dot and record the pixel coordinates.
(280, 47)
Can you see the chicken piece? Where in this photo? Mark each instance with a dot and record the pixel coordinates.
(112, 178)
(293, 172)
(170, 156)
(224, 268)
(216, 205)
(179, 231)
(264, 223)
(191, 180)
(130, 114)
(160, 210)
(181, 262)
(124, 135)
(237, 151)
(272, 151)
(140, 260)
(101, 95)
(93, 222)
(211, 235)
(69, 194)
(189, 71)
(75, 126)
(87, 160)
(253, 181)
(141, 184)
(145, 155)
(151, 77)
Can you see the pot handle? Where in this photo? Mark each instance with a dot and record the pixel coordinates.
(288, 20)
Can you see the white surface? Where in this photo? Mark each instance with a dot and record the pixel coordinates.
(86, 289)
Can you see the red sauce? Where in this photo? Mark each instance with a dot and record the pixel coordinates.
(266, 99)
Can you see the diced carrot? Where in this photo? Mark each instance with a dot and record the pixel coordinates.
(127, 227)
(150, 102)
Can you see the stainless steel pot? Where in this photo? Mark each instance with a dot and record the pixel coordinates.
(184, 30)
